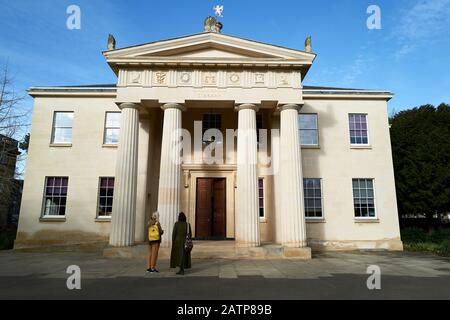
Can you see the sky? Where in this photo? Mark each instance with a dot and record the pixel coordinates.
(409, 55)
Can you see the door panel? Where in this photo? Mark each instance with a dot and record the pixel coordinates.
(211, 208)
(219, 212)
(203, 219)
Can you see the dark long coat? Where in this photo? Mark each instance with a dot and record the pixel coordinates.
(178, 240)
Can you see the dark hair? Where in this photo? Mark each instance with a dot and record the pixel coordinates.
(182, 217)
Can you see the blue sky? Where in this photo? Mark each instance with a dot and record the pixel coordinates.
(409, 56)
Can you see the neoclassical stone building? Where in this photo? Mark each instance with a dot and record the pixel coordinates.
(309, 167)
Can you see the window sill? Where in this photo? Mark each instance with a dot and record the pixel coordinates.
(60, 145)
(52, 219)
(108, 219)
(312, 220)
(262, 220)
(367, 220)
(110, 146)
(362, 146)
(311, 147)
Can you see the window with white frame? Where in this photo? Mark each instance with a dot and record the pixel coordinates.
(364, 198)
(112, 128)
(309, 133)
(105, 197)
(359, 133)
(55, 196)
(62, 128)
(312, 190)
(262, 213)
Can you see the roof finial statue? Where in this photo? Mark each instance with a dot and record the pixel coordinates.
(308, 47)
(111, 42)
(212, 24)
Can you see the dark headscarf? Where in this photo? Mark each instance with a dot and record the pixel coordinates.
(182, 217)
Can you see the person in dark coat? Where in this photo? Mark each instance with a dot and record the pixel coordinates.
(179, 257)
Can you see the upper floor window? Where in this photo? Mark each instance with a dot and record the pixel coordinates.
(55, 196)
(105, 197)
(62, 128)
(211, 121)
(309, 135)
(359, 133)
(364, 198)
(312, 189)
(262, 214)
(112, 128)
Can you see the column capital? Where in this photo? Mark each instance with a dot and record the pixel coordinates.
(173, 106)
(125, 105)
(245, 106)
(289, 106)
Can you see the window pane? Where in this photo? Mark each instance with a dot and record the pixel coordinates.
(113, 119)
(63, 119)
(308, 121)
(55, 196)
(106, 194)
(364, 202)
(308, 137)
(112, 136)
(358, 129)
(312, 197)
(261, 197)
(62, 135)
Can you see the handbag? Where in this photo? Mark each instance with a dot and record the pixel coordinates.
(188, 245)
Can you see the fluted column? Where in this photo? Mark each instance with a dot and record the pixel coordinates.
(169, 194)
(124, 202)
(247, 208)
(293, 230)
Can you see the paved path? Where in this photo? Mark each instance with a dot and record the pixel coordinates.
(326, 276)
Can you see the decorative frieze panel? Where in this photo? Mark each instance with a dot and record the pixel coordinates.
(160, 78)
(210, 78)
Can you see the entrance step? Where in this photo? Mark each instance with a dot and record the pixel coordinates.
(216, 250)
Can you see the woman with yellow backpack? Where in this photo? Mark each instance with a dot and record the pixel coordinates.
(155, 233)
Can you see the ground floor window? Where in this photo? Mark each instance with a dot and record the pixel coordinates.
(55, 196)
(313, 198)
(261, 197)
(105, 197)
(364, 198)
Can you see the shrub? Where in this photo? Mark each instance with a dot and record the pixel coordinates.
(7, 238)
(444, 248)
(413, 235)
(439, 236)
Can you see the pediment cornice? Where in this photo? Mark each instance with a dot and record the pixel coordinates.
(209, 49)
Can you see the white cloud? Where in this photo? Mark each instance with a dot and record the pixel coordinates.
(421, 23)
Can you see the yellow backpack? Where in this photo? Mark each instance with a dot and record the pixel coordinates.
(153, 233)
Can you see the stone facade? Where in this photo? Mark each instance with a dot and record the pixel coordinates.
(170, 85)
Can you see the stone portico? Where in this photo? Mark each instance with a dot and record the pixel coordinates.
(210, 70)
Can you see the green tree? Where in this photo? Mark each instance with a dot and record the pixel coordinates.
(421, 152)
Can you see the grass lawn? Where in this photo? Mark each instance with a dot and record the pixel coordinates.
(437, 241)
(7, 238)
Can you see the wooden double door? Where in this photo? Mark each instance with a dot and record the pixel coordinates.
(210, 222)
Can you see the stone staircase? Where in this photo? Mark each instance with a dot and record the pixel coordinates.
(215, 250)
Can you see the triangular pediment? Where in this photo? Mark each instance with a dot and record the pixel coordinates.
(209, 46)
